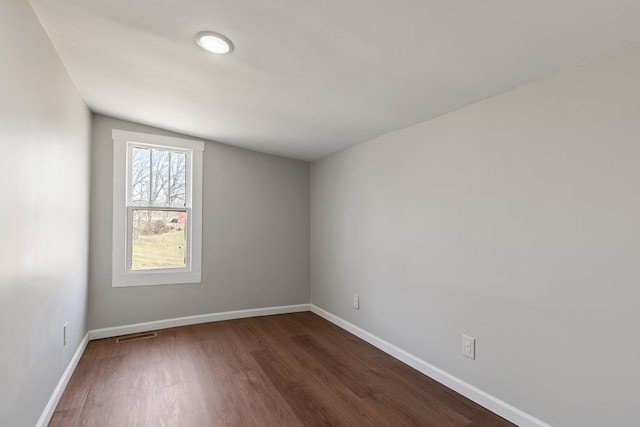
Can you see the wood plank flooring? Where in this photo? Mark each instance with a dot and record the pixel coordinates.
(286, 370)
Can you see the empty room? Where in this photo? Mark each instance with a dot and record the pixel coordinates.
(320, 213)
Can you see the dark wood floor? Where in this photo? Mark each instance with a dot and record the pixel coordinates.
(287, 370)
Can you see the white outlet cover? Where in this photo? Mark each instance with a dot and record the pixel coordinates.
(356, 302)
(65, 337)
(469, 347)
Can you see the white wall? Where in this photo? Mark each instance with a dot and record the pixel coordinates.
(255, 236)
(515, 220)
(44, 143)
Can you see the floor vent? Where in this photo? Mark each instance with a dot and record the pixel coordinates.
(136, 337)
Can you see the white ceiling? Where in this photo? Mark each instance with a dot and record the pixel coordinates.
(308, 78)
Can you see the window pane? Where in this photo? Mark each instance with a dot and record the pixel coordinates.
(159, 177)
(140, 176)
(159, 239)
(178, 180)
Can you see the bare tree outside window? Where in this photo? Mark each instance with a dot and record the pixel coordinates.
(157, 181)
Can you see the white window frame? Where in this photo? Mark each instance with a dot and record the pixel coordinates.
(122, 274)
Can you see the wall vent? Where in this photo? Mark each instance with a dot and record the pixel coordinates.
(136, 337)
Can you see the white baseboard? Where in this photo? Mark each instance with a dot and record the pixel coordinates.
(480, 397)
(193, 320)
(62, 384)
(45, 418)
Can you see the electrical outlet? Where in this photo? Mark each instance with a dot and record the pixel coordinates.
(469, 347)
(356, 302)
(65, 337)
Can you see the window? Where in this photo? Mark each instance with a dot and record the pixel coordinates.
(157, 209)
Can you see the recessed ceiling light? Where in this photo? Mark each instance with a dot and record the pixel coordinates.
(213, 42)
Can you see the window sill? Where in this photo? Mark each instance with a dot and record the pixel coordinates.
(150, 278)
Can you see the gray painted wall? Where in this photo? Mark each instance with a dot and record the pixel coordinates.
(514, 220)
(255, 236)
(44, 141)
